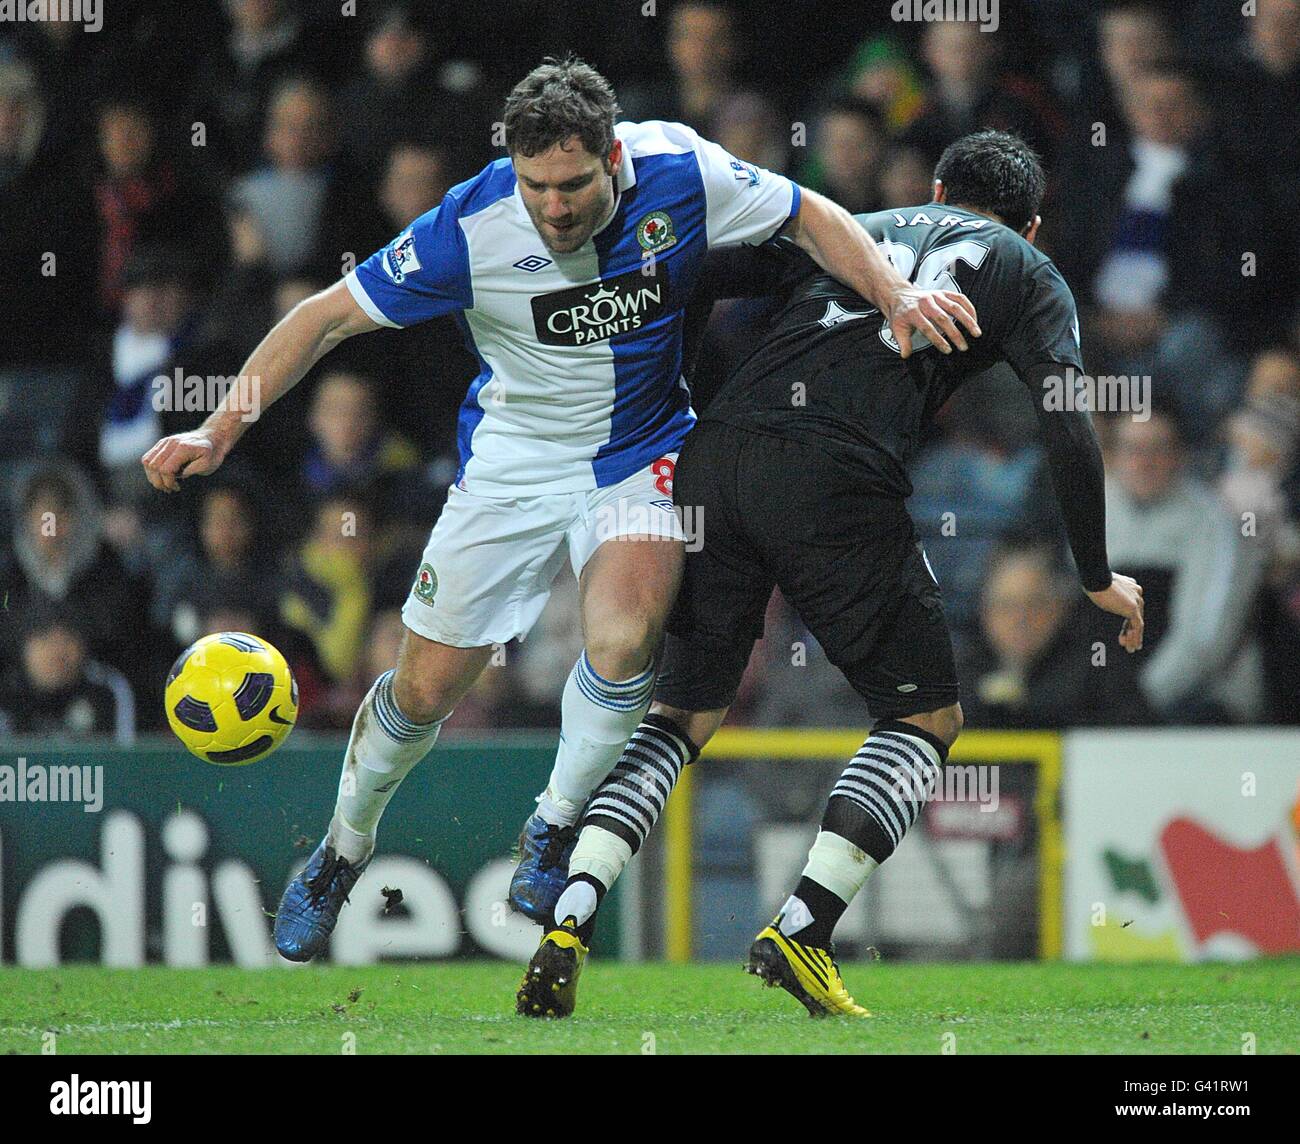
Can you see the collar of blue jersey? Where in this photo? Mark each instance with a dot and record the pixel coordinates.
(625, 178)
(626, 171)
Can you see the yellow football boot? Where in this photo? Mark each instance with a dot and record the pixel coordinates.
(550, 984)
(808, 974)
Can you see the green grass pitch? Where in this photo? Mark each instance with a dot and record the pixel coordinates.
(467, 1007)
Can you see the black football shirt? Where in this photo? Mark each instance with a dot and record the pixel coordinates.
(829, 372)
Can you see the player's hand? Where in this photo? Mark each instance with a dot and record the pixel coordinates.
(934, 313)
(1123, 598)
(193, 454)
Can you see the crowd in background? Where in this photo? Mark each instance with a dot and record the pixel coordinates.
(172, 184)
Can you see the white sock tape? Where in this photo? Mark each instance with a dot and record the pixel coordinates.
(834, 862)
(600, 853)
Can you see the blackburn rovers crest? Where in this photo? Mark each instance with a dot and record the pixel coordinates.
(655, 231)
(426, 584)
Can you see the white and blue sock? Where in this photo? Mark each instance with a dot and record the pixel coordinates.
(597, 716)
(383, 748)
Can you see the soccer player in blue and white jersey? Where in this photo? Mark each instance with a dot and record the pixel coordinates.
(567, 265)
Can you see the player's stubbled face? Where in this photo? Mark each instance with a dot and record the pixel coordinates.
(567, 191)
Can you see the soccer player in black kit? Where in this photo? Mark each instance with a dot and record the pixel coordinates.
(796, 476)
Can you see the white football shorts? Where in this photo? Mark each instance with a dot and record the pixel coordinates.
(487, 571)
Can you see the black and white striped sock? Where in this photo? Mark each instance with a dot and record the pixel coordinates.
(889, 780)
(628, 803)
(874, 804)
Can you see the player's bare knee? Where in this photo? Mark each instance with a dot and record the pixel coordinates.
(622, 648)
(422, 699)
(948, 723)
(944, 723)
(431, 678)
(698, 726)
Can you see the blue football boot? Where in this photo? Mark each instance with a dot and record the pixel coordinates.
(310, 907)
(544, 853)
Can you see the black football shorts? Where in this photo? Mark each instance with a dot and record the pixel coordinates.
(768, 512)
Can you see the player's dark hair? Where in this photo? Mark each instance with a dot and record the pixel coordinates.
(994, 172)
(558, 99)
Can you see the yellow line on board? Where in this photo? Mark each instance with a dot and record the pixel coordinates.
(679, 869)
(1051, 852)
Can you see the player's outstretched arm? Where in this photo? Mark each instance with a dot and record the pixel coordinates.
(847, 252)
(296, 343)
(1079, 478)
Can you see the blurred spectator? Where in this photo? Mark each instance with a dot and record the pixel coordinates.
(338, 705)
(1134, 270)
(421, 404)
(326, 587)
(1133, 38)
(56, 691)
(47, 240)
(142, 196)
(1155, 225)
(1259, 486)
(1262, 436)
(749, 127)
(702, 57)
(58, 557)
(906, 178)
(1258, 97)
(1171, 533)
(401, 90)
(416, 177)
(970, 91)
(279, 208)
(882, 74)
(975, 488)
(1261, 77)
(161, 336)
(266, 41)
(228, 561)
(846, 156)
(1043, 659)
(352, 449)
(227, 609)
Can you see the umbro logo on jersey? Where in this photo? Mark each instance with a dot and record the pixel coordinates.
(835, 314)
(599, 311)
(533, 263)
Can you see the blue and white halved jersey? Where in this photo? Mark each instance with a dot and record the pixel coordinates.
(580, 355)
